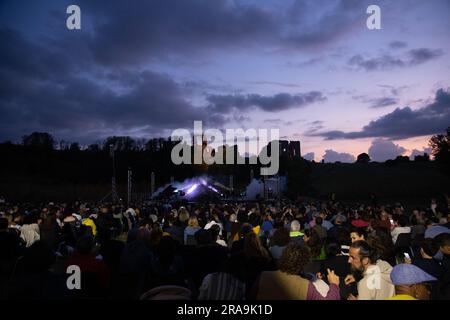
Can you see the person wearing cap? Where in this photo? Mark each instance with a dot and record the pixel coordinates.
(359, 223)
(410, 282)
(433, 231)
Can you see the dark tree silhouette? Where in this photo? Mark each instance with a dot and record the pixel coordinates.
(440, 145)
(363, 158)
(42, 140)
(74, 147)
(93, 147)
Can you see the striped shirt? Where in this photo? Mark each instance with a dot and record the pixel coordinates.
(221, 286)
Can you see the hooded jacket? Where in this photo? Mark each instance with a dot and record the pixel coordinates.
(376, 283)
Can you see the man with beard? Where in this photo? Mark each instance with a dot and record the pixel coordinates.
(376, 283)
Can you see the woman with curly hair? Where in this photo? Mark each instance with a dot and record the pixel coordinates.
(287, 284)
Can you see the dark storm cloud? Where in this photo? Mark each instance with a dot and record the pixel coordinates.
(278, 102)
(52, 91)
(82, 107)
(388, 62)
(332, 20)
(42, 92)
(92, 82)
(404, 122)
(128, 34)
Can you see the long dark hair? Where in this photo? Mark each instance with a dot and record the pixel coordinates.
(314, 242)
(366, 251)
(381, 241)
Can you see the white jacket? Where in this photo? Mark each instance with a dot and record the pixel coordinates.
(376, 283)
(397, 231)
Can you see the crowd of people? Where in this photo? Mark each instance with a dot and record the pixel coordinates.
(297, 250)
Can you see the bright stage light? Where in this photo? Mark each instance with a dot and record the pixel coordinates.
(192, 188)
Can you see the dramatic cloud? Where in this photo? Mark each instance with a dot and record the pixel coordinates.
(333, 156)
(388, 62)
(135, 33)
(85, 108)
(404, 122)
(278, 102)
(309, 156)
(128, 34)
(147, 67)
(313, 26)
(382, 150)
(53, 90)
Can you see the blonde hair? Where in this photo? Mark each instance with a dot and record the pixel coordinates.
(193, 222)
(183, 215)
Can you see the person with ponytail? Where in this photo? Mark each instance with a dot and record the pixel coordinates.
(376, 283)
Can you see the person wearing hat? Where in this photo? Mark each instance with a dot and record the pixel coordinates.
(359, 223)
(433, 231)
(410, 282)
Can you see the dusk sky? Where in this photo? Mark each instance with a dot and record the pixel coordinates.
(310, 68)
